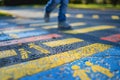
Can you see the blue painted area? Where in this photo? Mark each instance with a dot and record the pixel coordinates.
(111, 61)
(5, 37)
(31, 33)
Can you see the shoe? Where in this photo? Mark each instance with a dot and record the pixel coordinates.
(64, 26)
(47, 17)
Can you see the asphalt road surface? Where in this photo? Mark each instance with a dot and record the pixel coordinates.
(31, 49)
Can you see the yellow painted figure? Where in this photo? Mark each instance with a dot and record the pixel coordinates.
(80, 73)
(97, 68)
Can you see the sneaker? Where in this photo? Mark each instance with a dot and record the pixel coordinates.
(64, 26)
(47, 17)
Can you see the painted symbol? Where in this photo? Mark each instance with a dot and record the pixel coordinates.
(37, 47)
(97, 68)
(80, 73)
(24, 53)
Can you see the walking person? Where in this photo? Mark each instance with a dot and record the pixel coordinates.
(51, 5)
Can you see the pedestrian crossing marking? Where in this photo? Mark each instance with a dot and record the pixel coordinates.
(95, 17)
(43, 24)
(62, 42)
(89, 29)
(19, 30)
(24, 53)
(112, 38)
(29, 39)
(79, 16)
(97, 68)
(115, 17)
(7, 53)
(72, 24)
(80, 73)
(42, 64)
(14, 36)
(37, 47)
(30, 22)
(68, 15)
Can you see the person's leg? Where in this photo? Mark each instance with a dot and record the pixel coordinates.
(62, 15)
(51, 5)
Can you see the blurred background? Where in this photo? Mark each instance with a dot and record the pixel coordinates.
(79, 3)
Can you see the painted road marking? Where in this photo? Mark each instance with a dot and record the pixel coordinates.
(30, 39)
(115, 17)
(97, 68)
(19, 30)
(95, 17)
(90, 29)
(79, 16)
(13, 36)
(62, 42)
(112, 38)
(7, 53)
(43, 24)
(68, 15)
(42, 64)
(12, 28)
(24, 53)
(80, 73)
(30, 22)
(37, 47)
(72, 24)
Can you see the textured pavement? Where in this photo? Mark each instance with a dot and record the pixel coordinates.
(31, 49)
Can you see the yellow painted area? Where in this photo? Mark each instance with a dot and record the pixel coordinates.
(68, 15)
(89, 29)
(42, 64)
(97, 68)
(7, 53)
(72, 24)
(115, 17)
(62, 42)
(43, 24)
(37, 47)
(79, 16)
(18, 30)
(80, 73)
(95, 17)
(24, 53)
(14, 36)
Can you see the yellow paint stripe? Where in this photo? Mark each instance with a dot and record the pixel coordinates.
(14, 36)
(43, 24)
(79, 16)
(31, 67)
(90, 29)
(24, 53)
(62, 42)
(68, 15)
(115, 17)
(7, 53)
(19, 30)
(95, 17)
(72, 24)
(37, 47)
